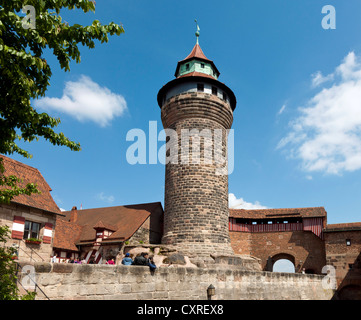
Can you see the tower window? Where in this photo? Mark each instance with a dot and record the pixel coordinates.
(224, 96)
(200, 87)
(202, 65)
(214, 91)
(187, 66)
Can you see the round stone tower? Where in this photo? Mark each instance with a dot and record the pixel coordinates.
(197, 112)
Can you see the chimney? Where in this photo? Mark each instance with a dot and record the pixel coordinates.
(74, 214)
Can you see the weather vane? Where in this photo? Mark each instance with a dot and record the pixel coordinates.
(198, 29)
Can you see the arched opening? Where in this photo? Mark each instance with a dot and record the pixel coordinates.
(350, 292)
(282, 262)
(283, 265)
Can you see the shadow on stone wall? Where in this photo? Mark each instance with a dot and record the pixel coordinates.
(350, 286)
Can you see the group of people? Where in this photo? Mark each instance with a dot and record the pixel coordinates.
(142, 260)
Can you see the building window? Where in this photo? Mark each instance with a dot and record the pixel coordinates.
(214, 91)
(200, 87)
(224, 96)
(202, 65)
(187, 66)
(348, 242)
(31, 230)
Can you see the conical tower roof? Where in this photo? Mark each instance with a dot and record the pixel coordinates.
(197, 53)
(196, 64)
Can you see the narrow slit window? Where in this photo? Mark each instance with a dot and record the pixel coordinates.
(214, 91)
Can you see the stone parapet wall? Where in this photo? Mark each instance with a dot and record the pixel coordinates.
(89, 282)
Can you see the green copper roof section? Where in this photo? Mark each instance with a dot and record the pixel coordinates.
(196, 63)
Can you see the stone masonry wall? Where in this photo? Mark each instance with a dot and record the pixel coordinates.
(89, 282)
(196, 197)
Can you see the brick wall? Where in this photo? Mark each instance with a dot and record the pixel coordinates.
(346, 259)
(305, 248)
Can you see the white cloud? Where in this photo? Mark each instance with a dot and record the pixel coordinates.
(326, 137)
(86, 100)
(282, 109)
(235, 203)
(318, 78)
(62, 210)
(108, 199)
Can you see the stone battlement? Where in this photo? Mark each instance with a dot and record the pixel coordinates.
(89, 282)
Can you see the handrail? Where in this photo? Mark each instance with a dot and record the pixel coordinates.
(36, 285)
(32, 251)
(18, 249)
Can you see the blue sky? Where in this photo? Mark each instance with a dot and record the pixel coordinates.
(297, 121)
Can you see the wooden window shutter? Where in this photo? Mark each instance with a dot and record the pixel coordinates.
(18, 227)
(48, 233)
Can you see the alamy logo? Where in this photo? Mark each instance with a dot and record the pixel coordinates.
(29, 21)
(329, 281)
(329, 21)
(191, 146)
(28, 279)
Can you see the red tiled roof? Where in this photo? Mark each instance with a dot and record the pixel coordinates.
(343, 226)
(197, 53)
(278, 213)
(66, 235)
(44, 200)
(196, 74)
(123, 220)
(101, 225)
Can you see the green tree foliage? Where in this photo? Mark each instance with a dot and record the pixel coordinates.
(25, 73)
(8, 287)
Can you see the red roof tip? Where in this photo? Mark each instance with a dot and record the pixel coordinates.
(197, 53)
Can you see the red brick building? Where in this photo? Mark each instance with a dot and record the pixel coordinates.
(343, 252)
(302, 236)
(273, 234)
